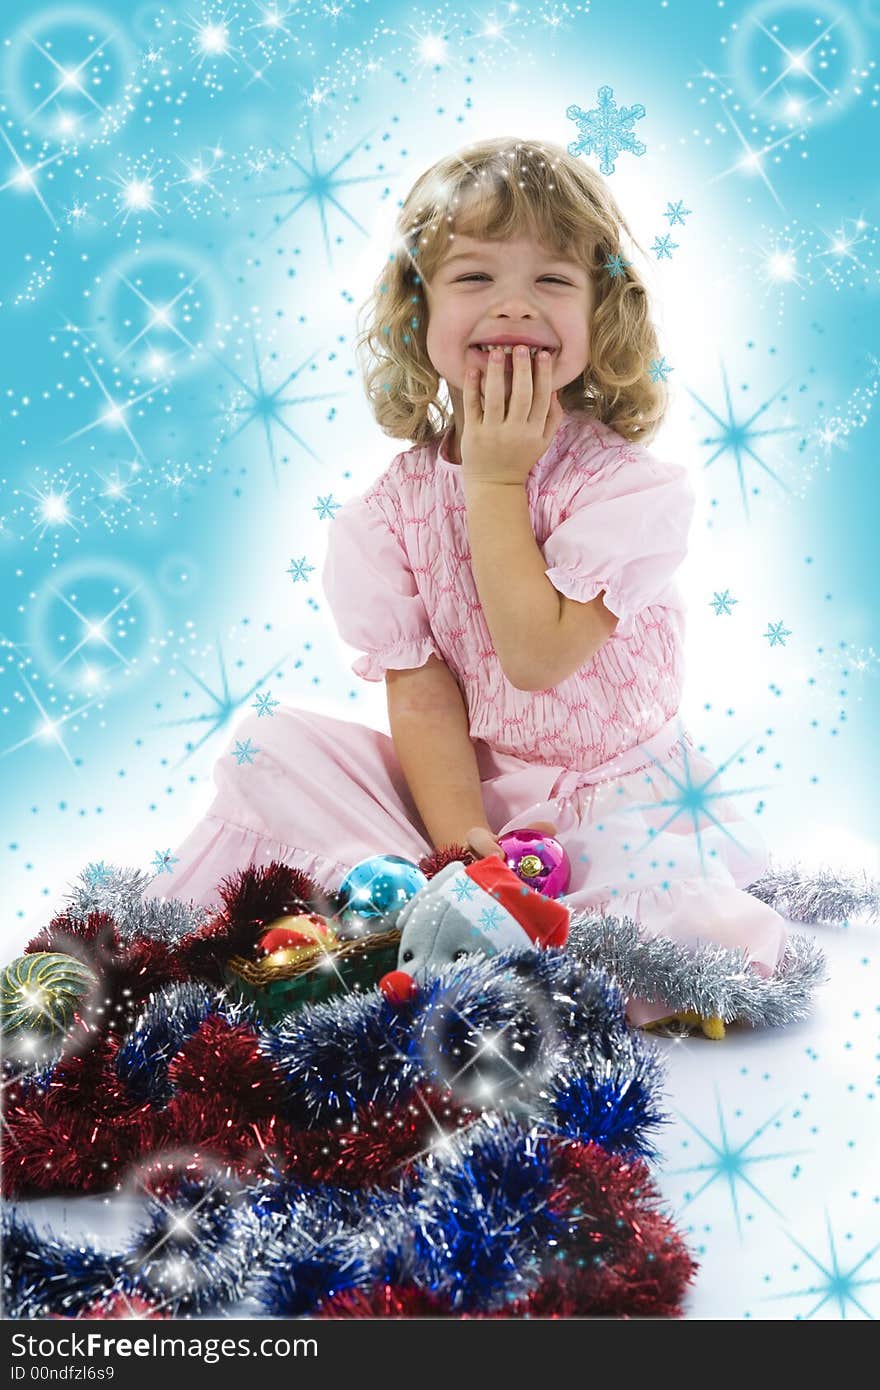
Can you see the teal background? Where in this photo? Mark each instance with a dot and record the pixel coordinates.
(169, 474)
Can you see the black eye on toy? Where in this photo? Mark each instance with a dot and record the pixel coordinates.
(460, 955)
(407, 955)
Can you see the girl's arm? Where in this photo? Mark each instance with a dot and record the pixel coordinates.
(431, 736)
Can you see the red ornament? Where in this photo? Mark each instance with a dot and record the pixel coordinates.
(398, 987)
(306, 930)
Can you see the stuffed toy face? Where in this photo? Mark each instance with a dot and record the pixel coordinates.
(436, 930)
(483, 908)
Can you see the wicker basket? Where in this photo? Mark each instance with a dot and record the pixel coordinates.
(351, 965)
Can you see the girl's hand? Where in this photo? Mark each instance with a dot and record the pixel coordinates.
(499, 448)
(481, 840)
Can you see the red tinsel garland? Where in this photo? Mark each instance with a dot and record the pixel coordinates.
(83, 1132)
(628, 1261)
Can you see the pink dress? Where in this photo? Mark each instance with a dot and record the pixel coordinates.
(602, 755)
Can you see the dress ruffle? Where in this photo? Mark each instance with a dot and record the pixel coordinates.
(216, 848)
(574, 584)
(402, 655)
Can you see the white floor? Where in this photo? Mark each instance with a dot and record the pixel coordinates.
(768, 1161)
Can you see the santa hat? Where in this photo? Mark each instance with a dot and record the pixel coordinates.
(521, 916)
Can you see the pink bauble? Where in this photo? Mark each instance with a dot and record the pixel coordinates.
(538, 859)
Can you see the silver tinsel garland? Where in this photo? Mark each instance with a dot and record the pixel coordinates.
(120, 892)
(823, 897)
(711, 981)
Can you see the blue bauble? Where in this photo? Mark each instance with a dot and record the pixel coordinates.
(375, 891)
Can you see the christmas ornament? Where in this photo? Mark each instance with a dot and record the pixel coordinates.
(298, 941)
(373, 893)
(687, 1020)
(308, 929)
(483, 906)
(39, 993)
(251, 898)
(295, 975)
(540, 860)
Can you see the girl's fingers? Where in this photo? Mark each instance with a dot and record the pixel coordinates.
(541, 388)
(471, 394)
(483, 842)
(493, 406)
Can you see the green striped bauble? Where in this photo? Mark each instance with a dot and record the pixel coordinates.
(39, 993)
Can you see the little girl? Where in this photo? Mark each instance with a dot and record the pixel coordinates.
(510, 576)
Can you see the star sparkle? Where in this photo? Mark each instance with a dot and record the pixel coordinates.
(730, 1161)
(693, 800)
(114, 416)
(51, 725)
(25, 176)
(94, 627)
(738, 438)
(225, 703)
(264, 407)
(835, 1283)
(319, 186)
(160, 316)
(70, 77)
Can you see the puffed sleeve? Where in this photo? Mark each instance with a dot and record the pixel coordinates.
(372, 593)
(627, 535)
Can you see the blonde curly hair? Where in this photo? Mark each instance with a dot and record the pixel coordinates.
(508, 188)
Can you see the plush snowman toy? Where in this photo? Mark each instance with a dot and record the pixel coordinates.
(464, 909)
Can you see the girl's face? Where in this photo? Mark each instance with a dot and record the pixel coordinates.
(485, 289)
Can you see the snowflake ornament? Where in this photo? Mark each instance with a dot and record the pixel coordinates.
(606, 130)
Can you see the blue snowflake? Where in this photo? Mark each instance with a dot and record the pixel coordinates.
(325, 507)
(617, 266)
(299, 570)
(659, 369)
(776, 634)
(676, 212)
(244, 752)
(723, 603)
(464, 888)
(606, 130)
(264, 704)
(95, 875)
(162, 861)
(664, 247)
(491, 918)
